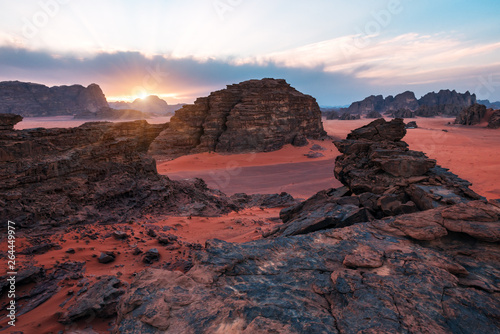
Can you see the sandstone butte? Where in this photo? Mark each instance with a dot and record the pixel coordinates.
(405, 246)
(255, 115)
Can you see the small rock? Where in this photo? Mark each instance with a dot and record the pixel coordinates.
(107, 257)
(314, 155)
(70, 251)
(151, 256)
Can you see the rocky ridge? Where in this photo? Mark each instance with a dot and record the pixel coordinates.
(29, 99)
(255, 115)
(406, 105)
(152, 105)
(98, 172)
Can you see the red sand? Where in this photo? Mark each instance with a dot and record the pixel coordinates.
(468, 152)
(244, 226)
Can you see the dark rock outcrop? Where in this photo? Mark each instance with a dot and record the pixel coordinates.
(472, 115)
(411, 125)
(405, 105)
(494, 122)
(374, 160)
(100, 300)
(7, 121)
(29, 99)
(408, 274)
(98, 172)
(330, 114)
(256, 115)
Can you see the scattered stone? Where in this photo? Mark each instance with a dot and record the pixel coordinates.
(151, 256)
(107, 257)
(120, 235)
(314, 155)
(411, 125)
(70, 251)
(317, 147)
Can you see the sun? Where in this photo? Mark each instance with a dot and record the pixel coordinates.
(142, 95)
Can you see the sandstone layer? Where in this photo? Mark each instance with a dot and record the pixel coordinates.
(256, 115)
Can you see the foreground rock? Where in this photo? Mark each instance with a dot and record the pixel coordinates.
(98, 172)
(29, 99)
(256, 115)
(414, 273)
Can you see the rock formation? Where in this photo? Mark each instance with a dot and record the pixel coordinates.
(472, 115)
(403, 105)
(7, 121)
(494, 122)
(256, 115)
(98, 172)
(411, 125)
(28, 99)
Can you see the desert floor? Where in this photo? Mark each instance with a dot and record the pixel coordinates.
(469, 152)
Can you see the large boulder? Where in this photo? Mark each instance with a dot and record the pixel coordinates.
(7, 121)
(255, 115)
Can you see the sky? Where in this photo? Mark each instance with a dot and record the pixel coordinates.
(335, 50)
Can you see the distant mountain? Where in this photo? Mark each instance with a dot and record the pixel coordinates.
(151, 105)
(445, 102)
(488, 104)
(30, 99)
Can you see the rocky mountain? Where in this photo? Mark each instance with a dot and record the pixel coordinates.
(150, 105)
(29, 99)
(488, 104)
(413, 250)
(255, 115)
(445, 102)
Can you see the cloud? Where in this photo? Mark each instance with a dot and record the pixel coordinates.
(131, 73)
(397, 60)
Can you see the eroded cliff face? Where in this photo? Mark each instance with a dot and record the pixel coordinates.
(98, 172)
(256, 115)
(29, 99)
